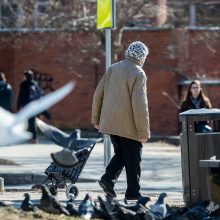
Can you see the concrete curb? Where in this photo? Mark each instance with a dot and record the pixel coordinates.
(31, 178)
(174, 140)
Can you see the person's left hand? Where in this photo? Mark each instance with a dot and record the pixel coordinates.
(143, 140)
(96, 126)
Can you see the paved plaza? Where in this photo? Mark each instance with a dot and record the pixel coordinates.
(161, 171)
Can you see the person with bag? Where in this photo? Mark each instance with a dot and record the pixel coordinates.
(6, 93)
(29, 91)
(120, 109)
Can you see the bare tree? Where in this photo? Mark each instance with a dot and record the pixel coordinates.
(80, 15)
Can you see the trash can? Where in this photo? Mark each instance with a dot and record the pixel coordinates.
(213, 179)
(198, 144)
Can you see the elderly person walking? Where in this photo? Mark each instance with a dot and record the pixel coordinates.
(120, 109)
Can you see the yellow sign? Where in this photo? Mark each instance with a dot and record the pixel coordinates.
(104, 14)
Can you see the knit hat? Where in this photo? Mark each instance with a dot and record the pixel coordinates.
(137, 50)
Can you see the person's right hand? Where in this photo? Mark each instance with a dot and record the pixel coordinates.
(143, 140)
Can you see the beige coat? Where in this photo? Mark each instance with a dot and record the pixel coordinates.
(120, 105)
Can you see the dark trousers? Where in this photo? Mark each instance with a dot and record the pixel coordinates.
(128, 155)
(32, 127)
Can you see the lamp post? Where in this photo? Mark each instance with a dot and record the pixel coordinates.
(107, 141)
(106, 19)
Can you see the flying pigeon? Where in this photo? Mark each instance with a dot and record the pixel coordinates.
(212, 208)
(213, 158)
(86, 207)
(27, 205)
(63, 139)
(50, 204)
(13, 130)
(159, 209)
(3, 204)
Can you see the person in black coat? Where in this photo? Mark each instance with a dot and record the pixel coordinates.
(196, 99)
(29, 91)
(6, 93)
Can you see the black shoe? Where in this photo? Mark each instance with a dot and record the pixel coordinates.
(131, 198)
(107, 188)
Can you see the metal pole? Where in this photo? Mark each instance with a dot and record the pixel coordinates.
(192, 15)
(107, 141)
(0, 14)
(20, 19)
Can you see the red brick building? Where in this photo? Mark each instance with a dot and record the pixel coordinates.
(175, 56)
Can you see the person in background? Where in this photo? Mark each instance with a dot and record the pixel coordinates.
(6, 93)
(120, 109)
(196, 99)
(29, 91)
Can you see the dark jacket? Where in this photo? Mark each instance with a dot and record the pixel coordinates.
(190, 105)
(24, 96)
(6, 96)
(200, 126)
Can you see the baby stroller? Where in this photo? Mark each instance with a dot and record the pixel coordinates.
(57, 175)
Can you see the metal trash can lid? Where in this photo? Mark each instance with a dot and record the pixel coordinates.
(200, 112)
(209, 163)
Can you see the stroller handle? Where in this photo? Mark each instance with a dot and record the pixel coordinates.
(89, 131)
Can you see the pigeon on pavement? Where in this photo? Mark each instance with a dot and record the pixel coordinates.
(141, 212)
(109, 206)
(211, 218)
(70, 206)
(99, 212)
(125, 214)
(173, 213)
(50, 204)
(13, 130)
(159, 209)
(27, 205)
(198, 211)
(86, 207)
(63, 139)
(134, 207)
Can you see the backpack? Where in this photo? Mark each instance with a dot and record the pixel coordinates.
(35, 92)
(5, 90)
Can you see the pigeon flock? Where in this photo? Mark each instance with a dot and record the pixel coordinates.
(110, 208)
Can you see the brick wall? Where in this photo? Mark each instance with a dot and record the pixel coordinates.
(69, 56)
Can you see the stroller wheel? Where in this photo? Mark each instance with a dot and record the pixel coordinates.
(72, 191)
(53, 189)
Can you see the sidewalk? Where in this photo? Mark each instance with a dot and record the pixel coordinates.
(161, 170)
